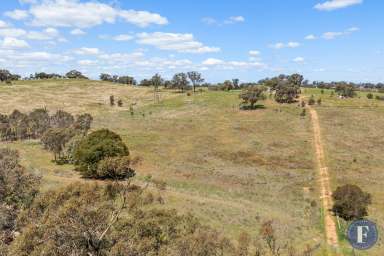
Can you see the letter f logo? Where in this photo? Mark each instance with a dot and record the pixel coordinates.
(362, 234)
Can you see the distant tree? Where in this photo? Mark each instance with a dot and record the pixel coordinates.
(235, 83)
(62, 119)
(286, 92)
(120, 103)
(43, 75)
(345, 90)
(180, 81)
(105, 77)
(145, 82)
(253, 94)
(350, 202)
(5, 75)
(74, 74)
(19, 125)
(97, 146)
(126, 80)
(228, 85)
(156, 81)
(112, 100)
(39, 122)
(83, 123)
(271, 83)
(370, 96)
(54, 140)
(167, 84)
(296, 80)
(195, 78)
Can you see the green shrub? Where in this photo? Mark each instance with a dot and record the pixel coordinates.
(370, 96)
(350, 202)
(97, 146)
(253, 94)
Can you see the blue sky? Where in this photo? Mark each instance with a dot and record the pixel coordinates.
(222, 39)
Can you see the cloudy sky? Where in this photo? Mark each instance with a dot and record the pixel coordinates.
(223, 39)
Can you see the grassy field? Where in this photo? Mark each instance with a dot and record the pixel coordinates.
(233, 169)
(353, 135)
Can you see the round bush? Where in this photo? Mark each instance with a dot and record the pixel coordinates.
(97, 146)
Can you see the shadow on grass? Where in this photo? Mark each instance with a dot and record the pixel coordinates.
(259, 106)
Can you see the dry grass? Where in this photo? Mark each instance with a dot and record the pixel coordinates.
(353, 135)
(234, 169)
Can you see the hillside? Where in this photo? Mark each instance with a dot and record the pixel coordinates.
(234, 169)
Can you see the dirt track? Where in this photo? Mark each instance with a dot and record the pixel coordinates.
(325, 188)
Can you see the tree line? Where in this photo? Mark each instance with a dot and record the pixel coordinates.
(8, 77)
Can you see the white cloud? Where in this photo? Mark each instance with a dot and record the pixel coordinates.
(209, 21)
(212, 62)
(299, 60)
(87, 62)
(353, 29)
(123, 37)
(254, 53)
(221, 64)
(278, 45)
(234, 19)
(3, 24)
(228, 21)
(13, 43)
(46, 34)
(77, 32)
(333, 35)
(310, 37)
(73, 13)
(142, 18)
(175, 42)
(283, 45)
(40, 56)
(12, 32)
(293, 44)
(17, 14)
(336, 4)
(87, 51)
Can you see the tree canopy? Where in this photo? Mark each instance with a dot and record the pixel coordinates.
(95, 147)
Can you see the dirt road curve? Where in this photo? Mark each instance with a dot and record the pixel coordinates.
(325, 188)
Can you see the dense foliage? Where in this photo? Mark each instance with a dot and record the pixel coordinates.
(19, 126)
(345, 90)
(17, 190)
(118, 79)
(95, 147)
(251, 95)
(350, 202)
